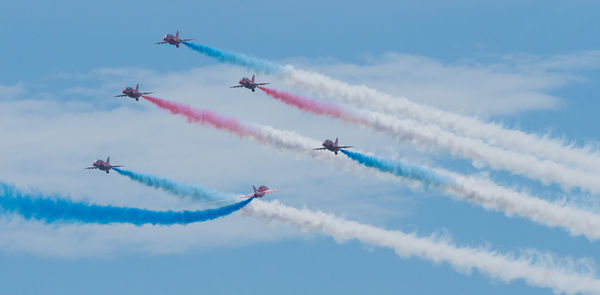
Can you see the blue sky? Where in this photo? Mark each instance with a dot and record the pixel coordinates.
(64, 60)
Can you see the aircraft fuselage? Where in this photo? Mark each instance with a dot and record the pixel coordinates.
(247, 83)
(261, 191)
(102, 166)
(172, 40)
(331, 146)
(130, 92)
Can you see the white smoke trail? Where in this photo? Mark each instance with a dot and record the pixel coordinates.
(506, 267)
(498, 158)
(511, 139)
(476, 190)
(494, 197)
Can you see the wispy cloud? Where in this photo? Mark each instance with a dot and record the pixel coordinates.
(12, 91)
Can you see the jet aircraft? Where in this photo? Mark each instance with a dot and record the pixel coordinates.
(332, 146)
(260, 192)
(173, 40)
(247, 83)
(133, 93)
(103, 166)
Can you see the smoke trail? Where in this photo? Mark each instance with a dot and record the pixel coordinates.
(494, 134)
(490, 196)
(428, 177)
(420, 134)
(236, 58)
(39, 207)
(475, 190)
(510, 139)
(176, 188)
(285, 140)
(545, 274)
(309, 105)
(204, 117)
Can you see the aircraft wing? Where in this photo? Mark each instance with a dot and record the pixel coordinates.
(319, 149)
(236, 86)
(185, 40)
(265, 192)
(115, 166)
(345, 146)
(146, 93)
(91, 168)
(122, 95)
(160, 42)
(258, 84)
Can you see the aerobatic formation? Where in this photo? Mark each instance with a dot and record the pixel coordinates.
(403, 120)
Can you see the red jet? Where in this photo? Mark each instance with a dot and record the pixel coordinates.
(173, 40)
(247, 83)
(262, 190)
(332, 146)
(133, 93)
(103, 166)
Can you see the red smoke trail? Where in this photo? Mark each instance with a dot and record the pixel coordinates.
(312, 106)
(206, 117)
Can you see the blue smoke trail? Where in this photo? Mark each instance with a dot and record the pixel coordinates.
(39, 207)
(176, 188)
(236, 58)
(425, 176)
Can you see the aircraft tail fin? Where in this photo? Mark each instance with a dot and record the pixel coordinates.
(254, 188)
(137, 87)
(252, 77)
(177, 34)
(108, 160)
(336, 141)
